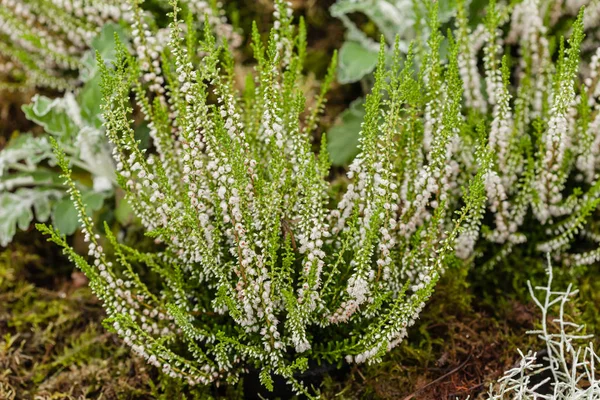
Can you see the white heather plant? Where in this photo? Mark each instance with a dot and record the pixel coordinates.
(542, 120)
(569, 369)
(44, 43)
(543, 134)
(260, 263)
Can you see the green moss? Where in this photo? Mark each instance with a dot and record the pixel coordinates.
(54, 347)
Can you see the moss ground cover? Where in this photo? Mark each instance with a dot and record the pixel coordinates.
(53, 347)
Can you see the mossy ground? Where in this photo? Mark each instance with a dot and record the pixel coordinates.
(53, 346)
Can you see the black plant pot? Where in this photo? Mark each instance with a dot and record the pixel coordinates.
(311, 378)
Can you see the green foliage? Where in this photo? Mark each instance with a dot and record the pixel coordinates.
(343, 138)
(355, 62)
(17, 209)
(399, 21)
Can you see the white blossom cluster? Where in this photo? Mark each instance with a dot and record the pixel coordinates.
(542, 131)
(42, 42)
(215, 15)
(45, 40)
(261, 259)
(528, 30)
(467, 60)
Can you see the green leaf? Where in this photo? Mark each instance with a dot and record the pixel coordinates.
(266, 380)
(64, 217)
(124, 213)
(342, 139)
(41, 177)
(90, 101)
(104, 44)
(93, 201)
(142, 134)
(42, 208)
(64, 214)
(90, 96)
(355, 61)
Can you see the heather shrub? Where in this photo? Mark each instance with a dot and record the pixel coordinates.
(543, 186)
(260, 261)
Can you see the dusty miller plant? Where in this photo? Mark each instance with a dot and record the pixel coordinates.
(401, 19)
(569, 368)
(260, 262)
(30, 184)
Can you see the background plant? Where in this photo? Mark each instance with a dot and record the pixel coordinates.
(400, 22)
(405, 20)
(28, 182)
(29, 185)
(43, 43)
